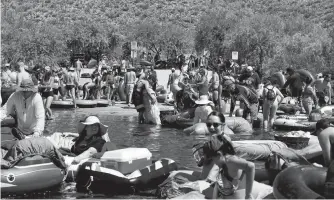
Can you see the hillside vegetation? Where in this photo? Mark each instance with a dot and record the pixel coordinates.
(46, 30)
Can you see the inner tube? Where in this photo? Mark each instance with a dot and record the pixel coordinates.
(300, 182)
(293, 125)
(326, 111)
(102, 103)
(192, 178)
(86, 103)
(161, 98)
(86, 75)
(106, 180)
(31, 174)
(293, 117)
(257, 149)
(121, 91)
(6, 92)
(289, 108)
(239, 125)
(163, 91)
(62, 104)
(304, 74)
(8, 122)
(160, 88)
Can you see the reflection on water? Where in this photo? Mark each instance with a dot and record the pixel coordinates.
(126, 132)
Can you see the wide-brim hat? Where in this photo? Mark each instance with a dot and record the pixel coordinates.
(203, 100)
(27, 85)
(90, 121)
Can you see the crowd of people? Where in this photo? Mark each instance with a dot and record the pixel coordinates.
(229, 175)
(61, 83)
(252, 92)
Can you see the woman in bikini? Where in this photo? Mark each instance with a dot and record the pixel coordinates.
(47, 91)
(236, 175)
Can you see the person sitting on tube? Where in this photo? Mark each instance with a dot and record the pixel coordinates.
(236, 175)
(90, 140)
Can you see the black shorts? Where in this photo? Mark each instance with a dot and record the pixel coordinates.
(69, 87)
(47, 94)
(55, 91)
(296, 92)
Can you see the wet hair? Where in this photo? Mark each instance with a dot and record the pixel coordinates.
(218, 143)
(47, 76)
(218, 114)
(323, 124)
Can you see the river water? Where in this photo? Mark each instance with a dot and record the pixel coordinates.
(126, 132)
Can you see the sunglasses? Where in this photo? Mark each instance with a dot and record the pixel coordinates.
(214, 124)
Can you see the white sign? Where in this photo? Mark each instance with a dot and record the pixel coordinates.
(234, 55)
(134, 49)
(133, 46)
(133, 54)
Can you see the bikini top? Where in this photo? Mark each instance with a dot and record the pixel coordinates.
(227, 185)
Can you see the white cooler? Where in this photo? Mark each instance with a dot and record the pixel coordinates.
(127, 160)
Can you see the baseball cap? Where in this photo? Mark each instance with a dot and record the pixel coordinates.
(250, 68)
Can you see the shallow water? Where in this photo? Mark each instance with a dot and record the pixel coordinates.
(126, 132)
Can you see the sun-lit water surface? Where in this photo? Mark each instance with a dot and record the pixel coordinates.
(124, 131)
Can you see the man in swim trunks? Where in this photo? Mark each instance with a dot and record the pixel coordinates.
(323, 90)
(325, 133)
(295, 82)
(246, 95)
(129, 82)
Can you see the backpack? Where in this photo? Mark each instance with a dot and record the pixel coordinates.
(271, 94)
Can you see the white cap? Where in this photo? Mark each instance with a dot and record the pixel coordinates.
(7, 65)
(173, 69)
(250, 68)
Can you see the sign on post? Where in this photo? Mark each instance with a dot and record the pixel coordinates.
(234, 55)
(134, 49)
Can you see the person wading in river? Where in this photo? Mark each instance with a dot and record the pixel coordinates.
(129, 82)
(78, 67)
(246, 95)
(71, 81)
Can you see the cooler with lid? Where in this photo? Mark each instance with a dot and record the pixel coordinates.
(127, 160)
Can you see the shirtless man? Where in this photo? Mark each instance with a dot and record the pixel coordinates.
(323, 89)
(173, 81)
(78, 67)
(23, 74)
(325, 135)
